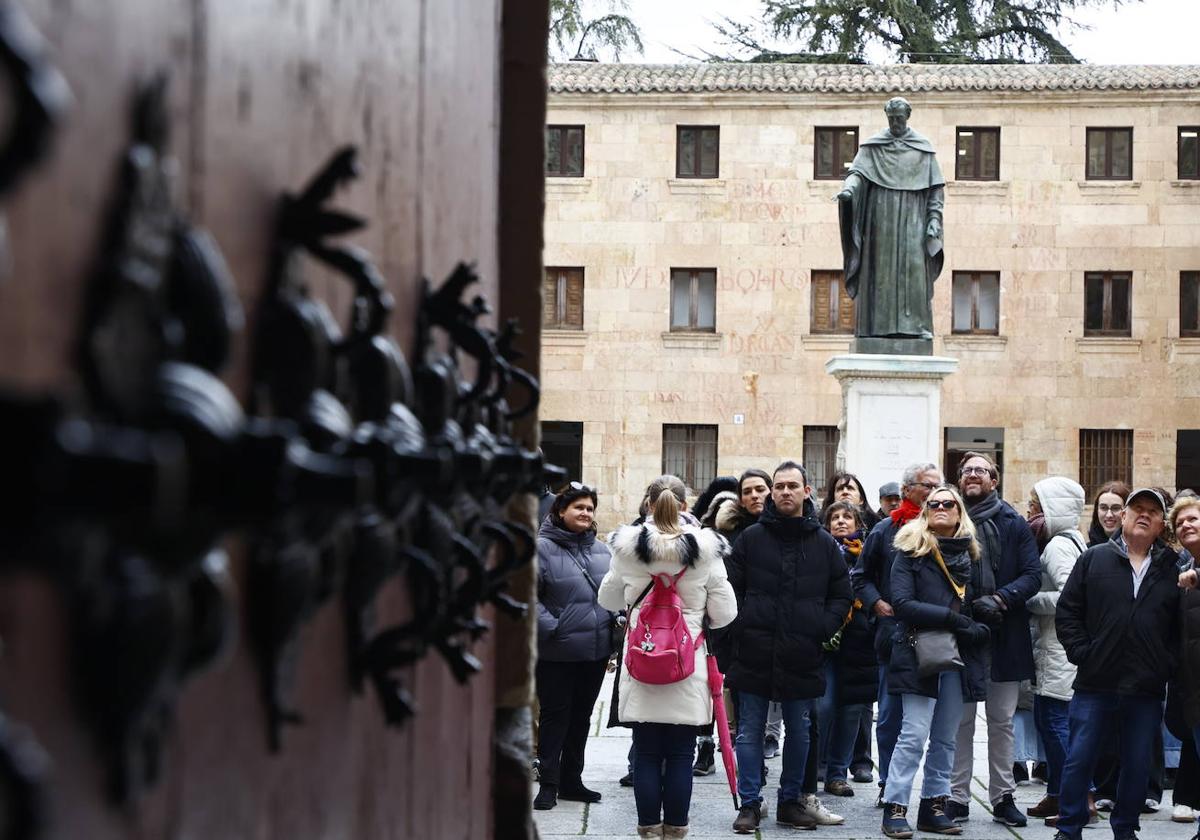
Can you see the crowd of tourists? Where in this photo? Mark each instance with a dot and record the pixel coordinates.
(863, 640)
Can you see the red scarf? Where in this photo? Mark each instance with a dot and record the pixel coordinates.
(906, 513)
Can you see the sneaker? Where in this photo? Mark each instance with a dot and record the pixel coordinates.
(748, 818)
(577, 793)
(547, 798)
(1104, 804)
(1048, 807)
(770, 747)
(931, 816)
(706, 763)
(794, 815)
(863, 775)
(1021, 773)
(895, 821)
(957, 811)
(1182, 814)
(839, 787)
(817, 808)
(1039, 772)
(1151, 807)
(1007, 813)
(626, 780)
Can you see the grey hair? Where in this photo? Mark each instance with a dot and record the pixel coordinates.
(913, 470)
(897, 103)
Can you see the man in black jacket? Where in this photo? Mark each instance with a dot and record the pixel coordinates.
(872, 580)
(1117, 619)
(1012, 574)
(793, 594)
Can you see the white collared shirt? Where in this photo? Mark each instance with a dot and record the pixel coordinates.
(1139, 574)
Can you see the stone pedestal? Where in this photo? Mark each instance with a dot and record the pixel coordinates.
(891, 414)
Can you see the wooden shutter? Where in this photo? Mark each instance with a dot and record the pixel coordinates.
(845, 321)
(573, 317)
(822, 320)
(550, 298)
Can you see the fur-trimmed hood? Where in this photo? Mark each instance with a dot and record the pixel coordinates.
(732, 518)
(720, 500)
(658, 552)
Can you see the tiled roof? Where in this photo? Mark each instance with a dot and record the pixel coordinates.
(589, 77)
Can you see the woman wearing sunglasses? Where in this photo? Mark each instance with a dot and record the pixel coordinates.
(574, 642)
(935, 576)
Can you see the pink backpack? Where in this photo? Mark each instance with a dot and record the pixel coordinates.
(661, 649)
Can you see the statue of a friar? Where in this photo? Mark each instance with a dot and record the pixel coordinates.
(890, 211)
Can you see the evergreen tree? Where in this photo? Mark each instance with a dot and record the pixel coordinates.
(572, 35)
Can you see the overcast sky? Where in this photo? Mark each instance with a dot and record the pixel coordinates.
(1147, 32)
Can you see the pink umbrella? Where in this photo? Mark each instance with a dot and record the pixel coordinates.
(716, 685)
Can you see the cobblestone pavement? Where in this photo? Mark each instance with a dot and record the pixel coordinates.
(712, 809)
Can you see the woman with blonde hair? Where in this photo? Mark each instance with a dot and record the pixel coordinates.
(938, 656)
(664, 718)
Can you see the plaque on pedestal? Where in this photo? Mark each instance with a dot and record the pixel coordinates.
(891, 414)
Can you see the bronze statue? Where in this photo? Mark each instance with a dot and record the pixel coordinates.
(890, 212)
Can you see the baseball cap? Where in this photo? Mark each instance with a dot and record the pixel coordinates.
(892, 488)
(1152, 493)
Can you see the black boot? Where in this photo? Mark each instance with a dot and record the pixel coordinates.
(576, 792)
(931, 816)
(547, 798)
(706, 763)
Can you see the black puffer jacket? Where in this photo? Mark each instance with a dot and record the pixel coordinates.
(572, 626)
(925, 601)
(1121, 645)
(793, 593)
(854, 661)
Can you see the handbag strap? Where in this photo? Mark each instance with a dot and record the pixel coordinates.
(959, 589)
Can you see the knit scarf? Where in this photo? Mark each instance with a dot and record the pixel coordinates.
(851, 546)
(906, 513)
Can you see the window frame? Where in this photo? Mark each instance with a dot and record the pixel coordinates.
(563, 128)
(1106, 330)
(1179, 154)
(1194, 278)
(693, 300)
(835, 303)
(829, 458)
(697, 151)
(560, 296)
(1108, 155)
(690, 476)
(1107, 469)
(838, 134)
(978, 132)
(974, 277)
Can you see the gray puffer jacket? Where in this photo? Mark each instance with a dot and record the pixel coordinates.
(1062, 503)
(572, 626)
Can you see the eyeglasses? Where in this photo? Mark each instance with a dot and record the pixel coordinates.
(941, 504)
(975, 471)
(928, 485)
(1110, 508)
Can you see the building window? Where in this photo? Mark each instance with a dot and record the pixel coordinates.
(564, 150)
(959, 440)
(832, 308)
(693, 300)
(1110, 154)
(1104, 455)
(835, 149)
(562, 299)
(1106, 296)
(1187, 459)
(562, 445)
(978, 156)
(1189, 152)
(697, 151)
(690, 452)
(820, 455)
(976, 302)
(1189, 304)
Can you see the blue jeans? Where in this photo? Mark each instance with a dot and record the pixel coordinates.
(887, 724)
(752, 724)
(1094, 718)
(838, 727)
(932, 720)
(662, 772)
(1053, 723)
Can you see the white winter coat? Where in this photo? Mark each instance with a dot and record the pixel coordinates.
(639, 551)
(1062, 503)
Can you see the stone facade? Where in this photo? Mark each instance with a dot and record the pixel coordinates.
(765, 225)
